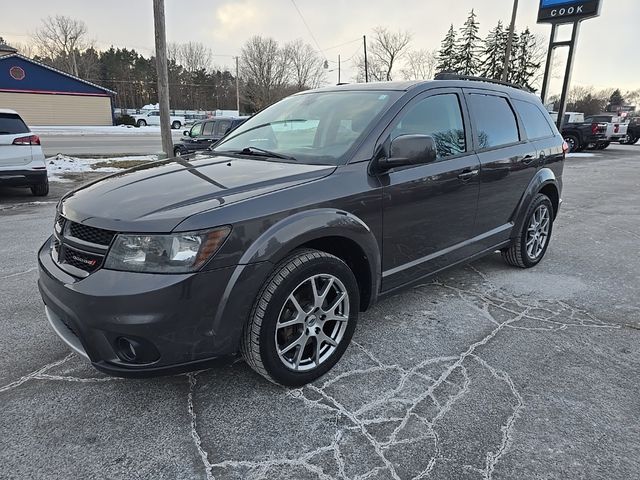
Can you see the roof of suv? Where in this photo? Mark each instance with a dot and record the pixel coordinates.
(6, 110)
(421, 85)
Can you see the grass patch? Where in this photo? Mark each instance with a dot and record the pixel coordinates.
(119, 164)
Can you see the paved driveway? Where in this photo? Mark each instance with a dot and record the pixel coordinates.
(483, 372)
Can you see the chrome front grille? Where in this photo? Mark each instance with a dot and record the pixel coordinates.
(79, 249)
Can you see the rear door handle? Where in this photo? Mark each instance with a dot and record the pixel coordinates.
(468, 175)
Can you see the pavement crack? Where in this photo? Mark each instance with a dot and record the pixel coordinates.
(35, 374)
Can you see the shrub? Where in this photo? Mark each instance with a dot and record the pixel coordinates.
(125, 120)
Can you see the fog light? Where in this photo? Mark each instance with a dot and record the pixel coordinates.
(135, 350)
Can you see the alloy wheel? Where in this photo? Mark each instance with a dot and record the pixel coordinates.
(312, 322)
(538, 232)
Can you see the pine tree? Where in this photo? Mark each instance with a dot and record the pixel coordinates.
(447, 61)
(493, 53)
(524, 64)
(469, 46)
(616, 99)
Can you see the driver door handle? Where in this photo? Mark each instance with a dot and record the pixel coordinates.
(527, 159)
(468, 174)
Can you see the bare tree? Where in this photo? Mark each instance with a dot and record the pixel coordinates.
(306, 66)
(264, 67)
(385, 50)
(61, 38)
(420, 65)
(193, 56)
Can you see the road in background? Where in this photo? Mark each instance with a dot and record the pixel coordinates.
(100, 144)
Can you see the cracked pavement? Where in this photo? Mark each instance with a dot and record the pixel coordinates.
(484, 372)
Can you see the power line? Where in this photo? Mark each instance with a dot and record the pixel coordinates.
(307, 25)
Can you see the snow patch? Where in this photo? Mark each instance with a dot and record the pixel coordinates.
(63, 130)
(64, 165)
(580, 155)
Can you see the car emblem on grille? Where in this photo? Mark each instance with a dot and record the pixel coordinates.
(86, 261)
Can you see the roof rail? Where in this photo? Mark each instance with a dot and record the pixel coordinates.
(456, 76)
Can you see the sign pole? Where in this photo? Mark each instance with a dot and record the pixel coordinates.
(547, 68)
(567, 75)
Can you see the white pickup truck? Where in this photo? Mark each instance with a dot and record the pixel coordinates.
(616, 128)
(152, 117)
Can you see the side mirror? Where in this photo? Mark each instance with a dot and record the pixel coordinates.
(185, 133)
(409, 150)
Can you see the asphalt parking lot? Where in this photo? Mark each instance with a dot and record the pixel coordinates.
(483, 372)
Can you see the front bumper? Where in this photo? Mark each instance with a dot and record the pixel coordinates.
(182, 321)
(22, 178)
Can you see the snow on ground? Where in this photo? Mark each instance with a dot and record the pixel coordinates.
(98, 130)
(580, 155)
(61, 165)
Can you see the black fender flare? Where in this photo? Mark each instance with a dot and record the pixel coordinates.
(303, 227)
(541, 179)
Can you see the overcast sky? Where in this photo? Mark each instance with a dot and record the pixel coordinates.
(608, 54)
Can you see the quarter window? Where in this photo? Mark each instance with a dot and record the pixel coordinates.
(495, 121)
(535, 123)
(439, 116)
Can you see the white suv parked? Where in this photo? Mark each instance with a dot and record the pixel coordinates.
(22, 162)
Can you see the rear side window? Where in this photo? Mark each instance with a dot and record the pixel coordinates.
(12, 124)
(207, 131)
(495, 121)
(439, 116)
(223, 126)
(535, 123)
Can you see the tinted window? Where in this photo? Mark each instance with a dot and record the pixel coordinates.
(207, 130)
(12, 124)
(223, 126)
(495, 121)
(439, 116)
(535, 123)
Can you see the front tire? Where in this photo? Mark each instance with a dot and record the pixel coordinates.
(141, 123)
(529, 247)
(303, 318)
(176, 125)
(573, 143)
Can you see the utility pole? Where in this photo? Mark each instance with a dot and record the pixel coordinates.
(366, 64)
(237, 86)
(512, 28)
(338, 69)
(163, 77)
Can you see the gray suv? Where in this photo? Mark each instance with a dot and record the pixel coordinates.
(302, 217)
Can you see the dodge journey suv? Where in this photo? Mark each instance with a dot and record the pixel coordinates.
(301, 218)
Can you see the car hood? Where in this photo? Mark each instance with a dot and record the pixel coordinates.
(156, 197)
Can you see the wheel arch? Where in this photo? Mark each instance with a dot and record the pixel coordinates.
(329, 230)
(544, 182)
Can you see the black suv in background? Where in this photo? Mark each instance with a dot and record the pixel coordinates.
(301, 218)
(206, 133)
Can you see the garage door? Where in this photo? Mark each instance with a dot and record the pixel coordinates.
(49, 109)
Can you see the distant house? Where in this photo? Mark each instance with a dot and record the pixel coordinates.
(46, 96)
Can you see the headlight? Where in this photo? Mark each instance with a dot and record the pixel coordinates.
(175, 253)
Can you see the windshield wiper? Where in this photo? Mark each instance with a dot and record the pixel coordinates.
(261, 152)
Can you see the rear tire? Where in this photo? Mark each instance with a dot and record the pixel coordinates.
(41, 189)
(303, 318)
(530, 246)
(141, 123)
(176, 125)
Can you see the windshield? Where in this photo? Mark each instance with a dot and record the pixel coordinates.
(318, 127)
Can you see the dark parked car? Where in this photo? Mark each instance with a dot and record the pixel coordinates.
(206, 133)
(580, 135)
(633, 132)
(301, 218)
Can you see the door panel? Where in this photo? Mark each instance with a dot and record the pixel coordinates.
(508, 161)
(428, 209)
